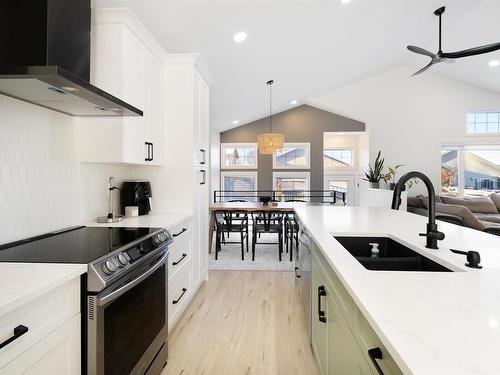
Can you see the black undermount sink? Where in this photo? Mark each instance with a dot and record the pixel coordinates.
(393, 256)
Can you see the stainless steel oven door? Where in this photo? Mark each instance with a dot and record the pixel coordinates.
(127, 322)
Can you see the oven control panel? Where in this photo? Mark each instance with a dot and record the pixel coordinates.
(119, 262)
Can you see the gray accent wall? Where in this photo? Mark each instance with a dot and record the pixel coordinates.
(300, 124)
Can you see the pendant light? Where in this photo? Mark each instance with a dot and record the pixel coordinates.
(270, 142)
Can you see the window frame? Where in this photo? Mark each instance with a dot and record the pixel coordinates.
(485, 134)
(295, 174)
(251, 173)
(223, 146)
(461, 150)
(306, 145)
(351, 167)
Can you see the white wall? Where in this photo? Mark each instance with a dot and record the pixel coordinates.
(214, 161)
(409, 118)
(43, 187)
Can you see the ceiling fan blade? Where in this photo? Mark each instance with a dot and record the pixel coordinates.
(426, 67)
(472, 51)
(421, 51)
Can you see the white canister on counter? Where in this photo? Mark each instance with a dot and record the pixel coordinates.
(131, 211)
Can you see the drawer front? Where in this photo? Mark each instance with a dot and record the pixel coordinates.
(41, 317)
(59, 353)
(367, 339)
(179, 293)
(179, 255)
(181, 230)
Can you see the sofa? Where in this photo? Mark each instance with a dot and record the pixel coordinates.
(481, 213)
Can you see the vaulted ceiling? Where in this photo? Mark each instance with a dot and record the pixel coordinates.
(309, 47)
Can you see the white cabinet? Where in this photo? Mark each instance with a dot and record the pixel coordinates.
(127, 63)
(59, 353)
(51, 344)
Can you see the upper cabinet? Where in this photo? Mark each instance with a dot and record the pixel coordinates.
(187, 106)
(128, 63)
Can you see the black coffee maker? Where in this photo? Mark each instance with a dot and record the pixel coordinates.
(137, 193)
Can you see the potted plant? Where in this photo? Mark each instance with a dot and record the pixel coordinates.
(374, 174)
(391, 176)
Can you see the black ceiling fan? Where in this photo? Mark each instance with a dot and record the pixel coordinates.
(441, 56)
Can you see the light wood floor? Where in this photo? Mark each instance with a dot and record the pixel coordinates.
(243, 322)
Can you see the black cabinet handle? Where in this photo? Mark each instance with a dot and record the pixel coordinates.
(152, 157)
(296, 274)
(375, 354)
(204, 177)
(178, 234)
(321, 313)
(180, 260)
(149, 151)
(184, 290)
(18, 332)
(204, 153)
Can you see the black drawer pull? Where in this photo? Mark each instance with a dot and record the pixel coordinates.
(175, 301)
(18, 332)
(180, 260)
(296, 273)
(321, 313)
(178, 234)
(375, 354)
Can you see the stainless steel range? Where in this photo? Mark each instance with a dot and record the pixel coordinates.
(124, 294)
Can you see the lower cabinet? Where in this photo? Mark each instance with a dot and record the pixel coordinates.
(333, 342)
(342, 340)
(56, 354)
(50, 342)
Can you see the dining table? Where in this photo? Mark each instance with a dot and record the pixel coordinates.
(248, 208)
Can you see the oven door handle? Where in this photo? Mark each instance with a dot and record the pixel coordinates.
(101, 301)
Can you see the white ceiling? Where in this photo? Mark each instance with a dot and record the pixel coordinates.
(309, 46)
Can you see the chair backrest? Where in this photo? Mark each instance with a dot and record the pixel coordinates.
(267, 218)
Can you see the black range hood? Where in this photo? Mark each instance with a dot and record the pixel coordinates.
(45, 58)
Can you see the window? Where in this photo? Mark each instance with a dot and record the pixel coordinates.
(483, 122)
(293, 156)
(449, 172)
(239, 155)
(239, 185)
(470, 171)
(291, 185)
(334, 158)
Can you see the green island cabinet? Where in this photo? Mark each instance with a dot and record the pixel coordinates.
(343, 341)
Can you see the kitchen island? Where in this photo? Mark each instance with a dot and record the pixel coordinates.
(429, 322)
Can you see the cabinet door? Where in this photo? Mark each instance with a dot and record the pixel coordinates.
(153, 106)
(200, 208)
(197, 150)
(57, 354)
(344, 356)
(319, 327)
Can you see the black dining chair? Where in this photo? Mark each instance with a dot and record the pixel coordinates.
(291, 228)
(236, 217)
(267, 222)
(224, 224)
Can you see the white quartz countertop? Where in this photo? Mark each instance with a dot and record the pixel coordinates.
(431, 322)
(153, 219)
(21, 283)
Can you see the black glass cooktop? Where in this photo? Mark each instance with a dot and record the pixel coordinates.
(74, 245)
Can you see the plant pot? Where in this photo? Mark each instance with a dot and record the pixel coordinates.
(375, 185)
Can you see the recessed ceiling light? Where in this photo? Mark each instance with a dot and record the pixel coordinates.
(494, 63)
(236, 122)
(293, 102)
(345, 1)
(239, 37)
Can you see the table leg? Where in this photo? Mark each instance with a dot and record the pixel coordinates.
(211, 230)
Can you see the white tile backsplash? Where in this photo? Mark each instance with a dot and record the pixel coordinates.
(43, 186)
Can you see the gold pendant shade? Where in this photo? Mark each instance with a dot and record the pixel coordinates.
(269, 143)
